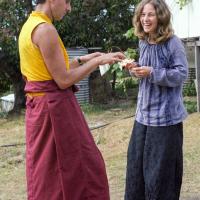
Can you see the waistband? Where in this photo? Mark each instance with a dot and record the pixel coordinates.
(40, 88)
(35, 94)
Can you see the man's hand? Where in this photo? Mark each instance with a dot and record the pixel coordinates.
(110, 58)
(90, 56)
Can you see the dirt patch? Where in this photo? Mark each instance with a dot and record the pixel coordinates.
(112, 140)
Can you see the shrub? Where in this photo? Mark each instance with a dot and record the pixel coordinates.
(189, 89)
(124, 84)
(191, 106)
(5, 85)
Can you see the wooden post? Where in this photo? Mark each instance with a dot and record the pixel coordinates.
(197, 67)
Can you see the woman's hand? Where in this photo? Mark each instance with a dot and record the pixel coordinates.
(141, 72)
(131, 65)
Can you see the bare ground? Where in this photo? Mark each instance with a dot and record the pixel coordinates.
(112, 141)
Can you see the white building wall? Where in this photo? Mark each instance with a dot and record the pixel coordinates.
(185, 21)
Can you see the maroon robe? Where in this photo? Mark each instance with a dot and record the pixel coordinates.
(62, 159)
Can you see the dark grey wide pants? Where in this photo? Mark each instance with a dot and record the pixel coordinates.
(154, 163)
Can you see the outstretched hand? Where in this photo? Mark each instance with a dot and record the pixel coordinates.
(90, 56)
(111, 58)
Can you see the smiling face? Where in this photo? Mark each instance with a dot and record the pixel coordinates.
(148, 19)
(59, 8)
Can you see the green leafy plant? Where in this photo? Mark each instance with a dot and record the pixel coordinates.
(125, 85)
(117, 71)
(117, 68)
(130, 34)
(191, 106)
(5, 85)
(189, 89)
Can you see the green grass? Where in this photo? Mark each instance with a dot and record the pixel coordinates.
(91, 109)
(112, 140)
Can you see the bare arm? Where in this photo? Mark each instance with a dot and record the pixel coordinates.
(74, 63)
(46, 38)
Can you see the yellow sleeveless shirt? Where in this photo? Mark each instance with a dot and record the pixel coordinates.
(31, 61)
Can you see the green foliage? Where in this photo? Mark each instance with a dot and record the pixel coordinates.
(191, 106)
(130, 34)
(189, 89)
(123, 85)
(189, 92)
(129, 53)
(97, 24)
(116, 69)
(12, 15)
(119, 73)
(93, 109)
(90, 24)
(3, 115)
(100, 23)
(5, 85)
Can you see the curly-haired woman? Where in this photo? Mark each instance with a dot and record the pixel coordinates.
(155, 158)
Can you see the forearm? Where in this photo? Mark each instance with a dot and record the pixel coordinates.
(73, 64)
(76, 62)
(175, 74)
(168, 77)
(74, 75)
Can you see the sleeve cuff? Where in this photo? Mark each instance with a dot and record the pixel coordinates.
(151, 74)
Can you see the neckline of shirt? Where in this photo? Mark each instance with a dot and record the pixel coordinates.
(42, 15)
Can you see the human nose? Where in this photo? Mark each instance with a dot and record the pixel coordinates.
(146, 18)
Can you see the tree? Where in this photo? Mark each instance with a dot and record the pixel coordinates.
(91, 23)
(98, 23)
(107, 21)
(12, 16)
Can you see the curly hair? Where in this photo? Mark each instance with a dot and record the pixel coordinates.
(164, 28)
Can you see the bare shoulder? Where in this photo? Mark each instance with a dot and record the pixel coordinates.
(46, 28)
(44, 33)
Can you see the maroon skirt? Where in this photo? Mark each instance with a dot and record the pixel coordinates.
(62, 159)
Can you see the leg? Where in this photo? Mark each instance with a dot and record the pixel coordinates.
(41, 158)
(81, 166)
(163, 162)
(134, 177)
